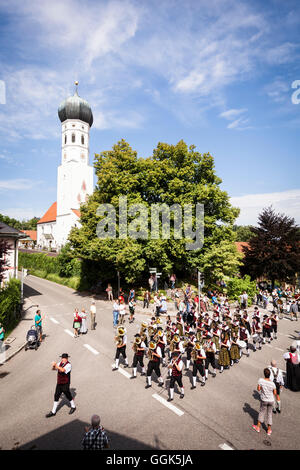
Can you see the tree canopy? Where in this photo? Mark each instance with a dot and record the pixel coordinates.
(173, 174)
(274, 249)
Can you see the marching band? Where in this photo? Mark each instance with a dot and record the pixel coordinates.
(220, 333)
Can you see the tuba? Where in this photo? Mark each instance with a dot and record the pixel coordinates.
(196, 349)
(151, 331)
(136, 343)
(152, 346)
(174, 342)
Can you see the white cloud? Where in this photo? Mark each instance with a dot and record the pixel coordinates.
(232, 113)
(17, 184)
(287, 202)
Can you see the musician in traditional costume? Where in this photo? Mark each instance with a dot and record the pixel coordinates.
(154, 355)
(198, 356)
(210, 352)
(256, 331)
(180, 325)
(143, 333)
(121, 341)
(244, 336)
(139, 348)
(189, 345)
(175, 345)
(234, 350)
(176, 367)
(224, 355)
(161, 341)
(274, 321)
(216, 332)
(267, 328)
(245, 320)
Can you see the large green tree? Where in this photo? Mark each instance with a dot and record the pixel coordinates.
(174, 174)
(274, 249)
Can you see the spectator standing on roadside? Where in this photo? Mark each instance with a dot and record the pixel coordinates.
(294, 310)
(109, 292)
(93, 315)
(2, 331)
(122, 311)
(151, 283)
(267, 390)
(95, 437)
(116, 309)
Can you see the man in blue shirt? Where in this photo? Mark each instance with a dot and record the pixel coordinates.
(38, 324)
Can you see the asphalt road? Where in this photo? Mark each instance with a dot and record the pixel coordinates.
(215, 417)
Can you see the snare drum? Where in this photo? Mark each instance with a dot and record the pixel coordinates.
(241, 344)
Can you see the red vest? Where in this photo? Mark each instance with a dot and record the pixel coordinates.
(176, 372)
(62, 377)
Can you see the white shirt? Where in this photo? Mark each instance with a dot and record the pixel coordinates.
(93, 308)
(266, 392)
(67, 367)
(122, 309)
(274, 371)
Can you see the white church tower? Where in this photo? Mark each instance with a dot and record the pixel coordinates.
(74, 175)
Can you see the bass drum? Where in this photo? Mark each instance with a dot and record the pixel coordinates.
(241, 344)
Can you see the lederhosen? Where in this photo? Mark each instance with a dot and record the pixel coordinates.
(189, 347)
(138, 358)
(162, 346)
(199, 365)
(176, 377)
(121, 350)
(154, 365)
(210, 357)
(267, 329)
(274, 325)
(63, 384)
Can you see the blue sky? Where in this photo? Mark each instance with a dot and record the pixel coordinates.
(217, 74)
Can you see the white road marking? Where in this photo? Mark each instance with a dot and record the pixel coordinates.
(54, 321)
(70, 333)
(87, 346)
(225, 447)
(168, 405)
(122, 371)
(278, 349)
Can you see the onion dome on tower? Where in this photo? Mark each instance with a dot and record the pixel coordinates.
(75, 107)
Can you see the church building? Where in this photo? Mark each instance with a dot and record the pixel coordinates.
(74, 174)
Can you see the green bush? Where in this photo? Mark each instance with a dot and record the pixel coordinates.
(10, 297)
(38, 261)
(236, 286)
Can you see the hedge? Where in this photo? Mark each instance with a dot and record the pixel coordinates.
(10, 303)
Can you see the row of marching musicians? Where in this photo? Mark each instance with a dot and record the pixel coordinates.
(226, 338)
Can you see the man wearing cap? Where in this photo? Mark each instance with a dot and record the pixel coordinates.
(63, 383)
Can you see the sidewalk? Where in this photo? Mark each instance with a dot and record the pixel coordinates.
(17, 339)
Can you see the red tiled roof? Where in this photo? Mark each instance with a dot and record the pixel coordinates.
(240, 246)
(77, 212)
(50, 215)
(31, 234)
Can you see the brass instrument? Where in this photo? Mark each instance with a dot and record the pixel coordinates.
(119, 340)
(195, 351)
(151, 331)
(169, 336)
(158, 335)
(136, 343)
(174, 342)
(152, 346)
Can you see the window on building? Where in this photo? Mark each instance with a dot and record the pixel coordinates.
(73, 138)
(65, 138)
(82, 139)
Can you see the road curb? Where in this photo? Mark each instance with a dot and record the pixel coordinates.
(15, 352)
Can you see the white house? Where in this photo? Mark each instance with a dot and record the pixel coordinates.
(74, 174)
(11, 237)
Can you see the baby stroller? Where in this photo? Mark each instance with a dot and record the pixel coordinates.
(32, 339)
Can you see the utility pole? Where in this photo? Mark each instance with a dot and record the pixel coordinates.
(199, 290)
